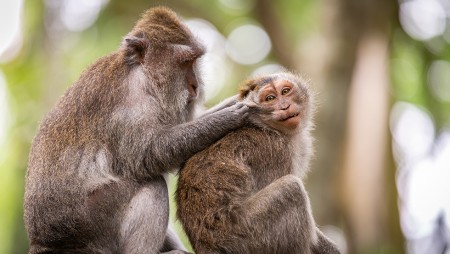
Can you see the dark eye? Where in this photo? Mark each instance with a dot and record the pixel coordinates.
(285, 90)
(186, 62)
(270, 97)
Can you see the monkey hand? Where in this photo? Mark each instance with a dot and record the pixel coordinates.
(258, 109)
(250, 104)
(228, 102)
(239, 110)
(236, 113)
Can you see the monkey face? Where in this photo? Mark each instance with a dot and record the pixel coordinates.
(175, 69)
(167, 53)
(282, 97)
(281, 101)
(187, 61)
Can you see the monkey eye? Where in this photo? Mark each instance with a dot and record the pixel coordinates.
(186, 62)
(270, 97)
(285, 90)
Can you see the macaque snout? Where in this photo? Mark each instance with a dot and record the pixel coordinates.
(192, 89)
(285, 106)
(192, 85)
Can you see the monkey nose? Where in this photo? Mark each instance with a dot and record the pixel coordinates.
(192, 89)
(285, 107)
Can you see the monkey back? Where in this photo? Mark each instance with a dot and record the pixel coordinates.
(214, 182)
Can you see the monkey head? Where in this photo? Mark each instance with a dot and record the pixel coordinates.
(281, 102)
(167, 53)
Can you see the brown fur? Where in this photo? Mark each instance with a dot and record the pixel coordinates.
(244, 194)
(162, 26)
(95, 175)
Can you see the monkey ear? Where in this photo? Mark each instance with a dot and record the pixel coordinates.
(243, 93)
(135, 48)
(246, 89)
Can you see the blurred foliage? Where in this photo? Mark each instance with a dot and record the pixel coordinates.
(410, 63)
(47, 65)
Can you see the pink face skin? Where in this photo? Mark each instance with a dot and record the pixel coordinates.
(284, 99)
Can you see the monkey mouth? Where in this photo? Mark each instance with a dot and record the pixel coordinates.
(289, 117)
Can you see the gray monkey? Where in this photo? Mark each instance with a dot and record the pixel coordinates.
(95, 181)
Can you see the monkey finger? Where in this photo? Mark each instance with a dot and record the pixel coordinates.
(241, 108)
(260, 110)
(251, 104)
(230, 101)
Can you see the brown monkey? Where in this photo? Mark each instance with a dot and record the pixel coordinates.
(95, 176)
(244, 194)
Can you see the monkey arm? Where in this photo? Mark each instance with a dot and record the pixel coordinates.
(230, 101)
(170, 147)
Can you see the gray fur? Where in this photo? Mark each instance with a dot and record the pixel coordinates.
(95, 175)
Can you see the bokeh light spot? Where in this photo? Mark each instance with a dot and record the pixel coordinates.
(248, 44)
(214, 68)
(423, 19)
(267, 69)
(77, 15)
(10, 29)
(439, 80)
(412, 130)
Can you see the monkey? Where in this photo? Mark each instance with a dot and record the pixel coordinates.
(95, 181)
(244, 193)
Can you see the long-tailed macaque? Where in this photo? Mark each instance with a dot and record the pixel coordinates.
(95, 176)
(244, 194)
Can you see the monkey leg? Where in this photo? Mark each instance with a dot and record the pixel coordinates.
(145, 220)
(279, 218)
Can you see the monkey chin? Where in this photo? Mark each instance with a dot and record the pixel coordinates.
(291, 122)
(286, 124)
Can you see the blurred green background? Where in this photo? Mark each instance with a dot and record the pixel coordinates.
(379, 182)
